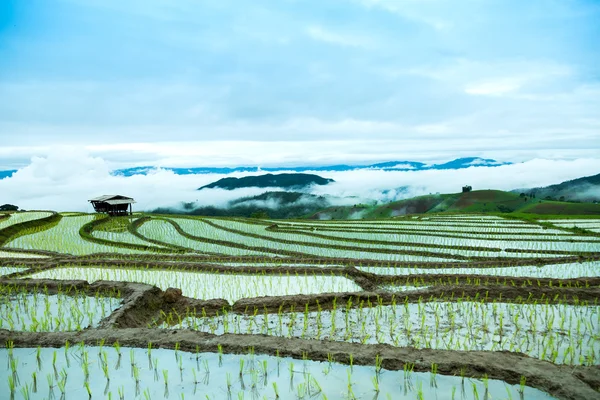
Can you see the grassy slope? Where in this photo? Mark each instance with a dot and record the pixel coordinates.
(573, 189)
(415, 205)
(562, 208)
(487, 201)
(342, 212)
(478, 201)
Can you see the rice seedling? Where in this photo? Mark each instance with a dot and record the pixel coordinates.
(535, 329)
(34, 312)
(201, 285)
(330, 257)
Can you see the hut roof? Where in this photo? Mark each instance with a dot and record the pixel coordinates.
(112, 199)
(113, 202)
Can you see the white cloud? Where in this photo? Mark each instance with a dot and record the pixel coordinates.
(493, 88)
(402, 145)
(402, 166)
(481, 162)
(380, 185)
(65, 180)
(433, 128)
(428, 12)
(535, 75)
(337, 38)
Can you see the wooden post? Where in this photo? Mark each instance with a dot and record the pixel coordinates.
(130, 209)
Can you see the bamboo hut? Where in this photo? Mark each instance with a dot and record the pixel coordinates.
(113, 204)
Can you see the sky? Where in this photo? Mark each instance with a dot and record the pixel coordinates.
(114, 84)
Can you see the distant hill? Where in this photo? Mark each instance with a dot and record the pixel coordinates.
(293, 204)
(7, 174)
(285, 181)
(265, 205)
(574, 197)
(586, 189)
(477, 201)
(467, 162)
(459, 163)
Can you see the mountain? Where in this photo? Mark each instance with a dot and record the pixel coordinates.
(574, 197)
(265, 205)
(7, 174)
(301, 205)
(292, 204)
(459, 163)
(478, 201)
(586, 189)
(286, 181)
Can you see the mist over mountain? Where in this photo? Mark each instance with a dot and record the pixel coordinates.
(585, 189)
(65, 181)
(290, 204)
(265, 205)
(295, 181)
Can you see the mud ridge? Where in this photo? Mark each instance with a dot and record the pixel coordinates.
(367, 281)
(190, 260)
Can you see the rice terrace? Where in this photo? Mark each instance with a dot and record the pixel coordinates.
(300, 200)
(430, 306)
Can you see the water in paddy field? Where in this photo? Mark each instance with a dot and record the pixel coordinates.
(53, 313)
(557, 271)
(10, 270)
(14, 254)
(205, 285)
(82, 372)
(562, 334)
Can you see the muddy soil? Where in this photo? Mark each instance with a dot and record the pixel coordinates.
(465, 293)
(193, 260)
(453, 279)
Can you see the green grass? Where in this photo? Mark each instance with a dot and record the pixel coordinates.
(484, 201)
(24, 228)
(115, 224)
(415, 205)
(343, 212)
(559, 209)
(478, 201)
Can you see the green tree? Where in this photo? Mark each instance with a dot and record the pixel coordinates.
(259, 215)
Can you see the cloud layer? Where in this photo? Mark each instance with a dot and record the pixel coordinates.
(65, 181)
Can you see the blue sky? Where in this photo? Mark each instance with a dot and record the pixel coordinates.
(190, 82)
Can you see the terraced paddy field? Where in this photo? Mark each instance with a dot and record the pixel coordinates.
(418, 307)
